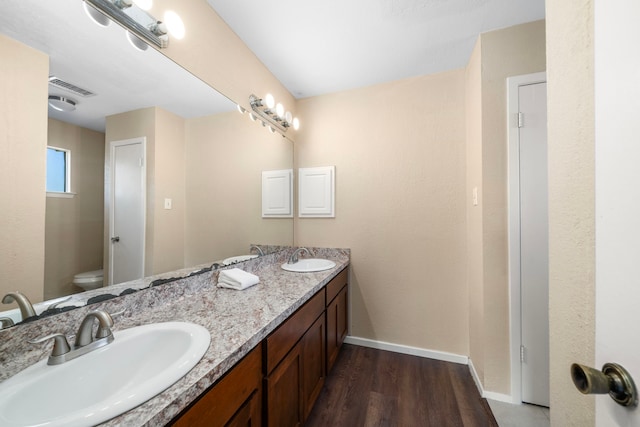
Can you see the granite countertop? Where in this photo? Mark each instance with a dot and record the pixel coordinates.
(237, 321)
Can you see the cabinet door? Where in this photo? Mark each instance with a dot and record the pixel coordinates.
(239, 390)
(313, 364)
(337, 312)
(284, 391)
(250, 415)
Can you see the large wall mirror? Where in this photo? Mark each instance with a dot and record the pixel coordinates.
(202, 159)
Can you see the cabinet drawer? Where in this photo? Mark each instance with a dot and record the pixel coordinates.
(287, 335)
(336, 284)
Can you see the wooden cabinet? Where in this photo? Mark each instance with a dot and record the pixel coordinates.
(294, 381)
(313, 364)
(337, 326)
(337, 316)
(235, 400)
(284, 391)
(278, 382)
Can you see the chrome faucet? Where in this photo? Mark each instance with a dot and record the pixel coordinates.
(85, 341)
(85, 332)
(258, 248)
(26, 309)
(294, 256)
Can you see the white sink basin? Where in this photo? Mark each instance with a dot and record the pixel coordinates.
(239, 258)
(140, 363)
(309, 265)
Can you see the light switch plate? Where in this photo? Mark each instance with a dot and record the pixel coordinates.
(167, 203)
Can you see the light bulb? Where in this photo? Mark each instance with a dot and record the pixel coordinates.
(143, 4)
(240, 109)
(288, 116)
(96, 16)
(136, 42)
(271, 129)
(253, 117)
(280, 110)
(296, 123)
(174, 24)
(269, 101)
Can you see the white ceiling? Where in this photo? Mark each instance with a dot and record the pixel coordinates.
(327, 46)
(102, 61)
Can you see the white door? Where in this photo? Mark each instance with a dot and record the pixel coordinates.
(534, 243)
(617, 124)
(127, 210)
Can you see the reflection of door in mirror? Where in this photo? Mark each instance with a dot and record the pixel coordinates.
(127, 210)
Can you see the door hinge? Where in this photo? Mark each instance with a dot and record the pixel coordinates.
(520, 120)
(521, 354)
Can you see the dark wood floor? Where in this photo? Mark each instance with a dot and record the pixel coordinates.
(369, 387)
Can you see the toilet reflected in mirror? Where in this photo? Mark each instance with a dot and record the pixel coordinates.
(89, 280)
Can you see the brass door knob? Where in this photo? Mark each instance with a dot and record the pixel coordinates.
(613, 379)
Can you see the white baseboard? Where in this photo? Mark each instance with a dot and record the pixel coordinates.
(487, 394)
(432, 354)
(414, 351)
(476, 379)
(498, 396)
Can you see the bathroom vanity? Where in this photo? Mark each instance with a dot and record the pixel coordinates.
(271, 345)
(291, 362)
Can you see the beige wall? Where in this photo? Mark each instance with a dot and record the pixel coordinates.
(74, 226)
(23, 141)
(225, 156)
(399, 152)
(570, 90)
(168, 182)
(473, 117)
(509, 52)
(408, 155)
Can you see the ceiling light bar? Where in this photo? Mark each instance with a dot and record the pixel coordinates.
(114, 11)
(269, 116)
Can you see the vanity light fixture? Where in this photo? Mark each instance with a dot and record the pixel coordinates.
(61, 103)
(274, 116)
(158, 28)
(132, 15)
(123, 4)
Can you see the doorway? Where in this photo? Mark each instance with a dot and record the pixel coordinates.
(528, 239)
(127, 210)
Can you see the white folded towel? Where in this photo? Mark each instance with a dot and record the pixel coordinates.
(234, 278)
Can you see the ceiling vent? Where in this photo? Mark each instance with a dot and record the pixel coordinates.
(54, 81)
